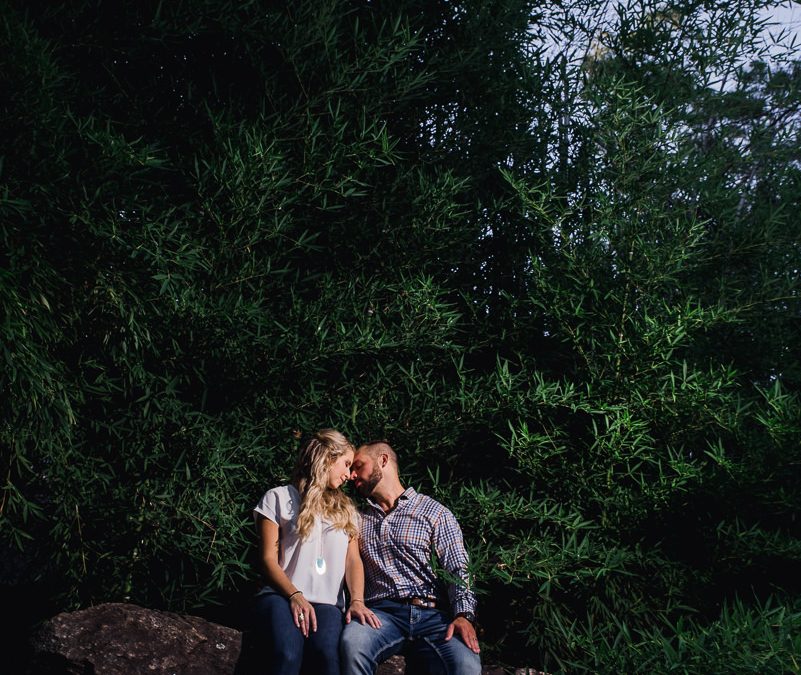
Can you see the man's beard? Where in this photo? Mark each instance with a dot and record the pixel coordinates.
(368, 485)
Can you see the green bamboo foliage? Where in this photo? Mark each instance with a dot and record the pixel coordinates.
(544, 251)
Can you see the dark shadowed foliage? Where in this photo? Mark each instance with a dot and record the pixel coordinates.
(552, 254)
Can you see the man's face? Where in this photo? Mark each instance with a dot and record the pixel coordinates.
(365, 473)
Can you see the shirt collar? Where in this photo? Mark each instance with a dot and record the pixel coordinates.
(408, 494)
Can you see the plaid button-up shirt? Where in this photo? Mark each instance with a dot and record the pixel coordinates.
(397, 549)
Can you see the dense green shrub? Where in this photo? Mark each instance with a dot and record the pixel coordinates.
(554, 261)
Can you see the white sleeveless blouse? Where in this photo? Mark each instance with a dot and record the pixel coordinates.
(299, 559)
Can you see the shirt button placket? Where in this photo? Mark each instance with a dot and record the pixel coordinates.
(385, 545)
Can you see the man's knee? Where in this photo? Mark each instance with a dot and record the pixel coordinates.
(467, 662)
(452, 658)
(362, 647)
(355, 640)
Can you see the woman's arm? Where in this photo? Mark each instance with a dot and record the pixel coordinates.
(275, 576)
(354, 578)
(279, 581)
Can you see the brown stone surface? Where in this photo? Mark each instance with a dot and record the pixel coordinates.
(394, 665)
(122, 639)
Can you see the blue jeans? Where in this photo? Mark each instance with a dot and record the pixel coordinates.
(284, 647)
(420, 629)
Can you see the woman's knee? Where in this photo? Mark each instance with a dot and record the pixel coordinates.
(288, 655)
(330, 622)
(268, 609)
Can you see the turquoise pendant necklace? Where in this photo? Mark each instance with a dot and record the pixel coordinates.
(319, 561)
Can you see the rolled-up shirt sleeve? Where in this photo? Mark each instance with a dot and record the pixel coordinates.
(268, 507)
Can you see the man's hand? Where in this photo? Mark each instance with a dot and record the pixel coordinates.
(464, 629)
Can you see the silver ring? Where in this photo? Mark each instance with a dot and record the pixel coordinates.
(301, 617)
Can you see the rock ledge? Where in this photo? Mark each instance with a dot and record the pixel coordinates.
(125, 639)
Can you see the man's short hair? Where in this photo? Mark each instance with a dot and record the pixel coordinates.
(376, 447)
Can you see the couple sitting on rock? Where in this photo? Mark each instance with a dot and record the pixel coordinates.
(314, 543)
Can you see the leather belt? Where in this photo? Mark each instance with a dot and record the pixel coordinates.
(429, 603)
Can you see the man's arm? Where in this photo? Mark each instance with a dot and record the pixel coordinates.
(452, 555)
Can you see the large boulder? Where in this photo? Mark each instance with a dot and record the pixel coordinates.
(123, 639)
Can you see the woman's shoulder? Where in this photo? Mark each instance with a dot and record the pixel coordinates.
(283, 489)
(283, 493)
(284, 498)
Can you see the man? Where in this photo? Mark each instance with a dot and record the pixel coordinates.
(401, 531)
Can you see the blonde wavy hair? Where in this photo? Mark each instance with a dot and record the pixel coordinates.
(311, 479)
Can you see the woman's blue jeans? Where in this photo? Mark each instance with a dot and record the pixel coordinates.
(285, 650)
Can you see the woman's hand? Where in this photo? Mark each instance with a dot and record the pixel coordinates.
(303, 614)
(359, 611)
(354, 578)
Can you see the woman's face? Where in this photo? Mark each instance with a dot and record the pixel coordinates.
(339, 471)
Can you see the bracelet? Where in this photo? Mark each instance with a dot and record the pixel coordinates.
(289, 597)
(357, 600)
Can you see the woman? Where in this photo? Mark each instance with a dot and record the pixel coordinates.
(309, 550)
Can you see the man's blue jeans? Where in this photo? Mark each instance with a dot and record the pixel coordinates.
(284, 648)
(421, 630)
